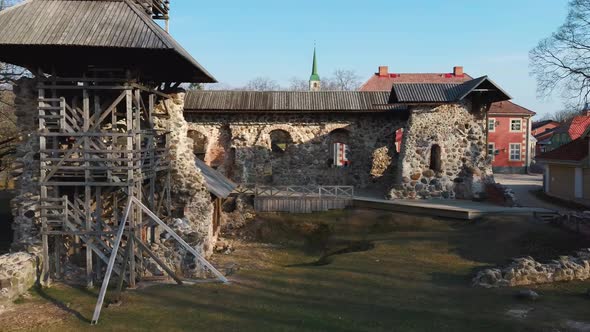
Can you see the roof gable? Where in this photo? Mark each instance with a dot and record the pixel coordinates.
(447, 93)
(510, 108)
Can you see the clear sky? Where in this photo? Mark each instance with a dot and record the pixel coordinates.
(238, 40)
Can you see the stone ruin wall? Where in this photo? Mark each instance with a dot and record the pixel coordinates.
(188, 192)
(465, 168)
(240, 147)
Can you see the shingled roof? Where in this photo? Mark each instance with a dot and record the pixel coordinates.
(69, 34)
(572, 152)
(287, 101)
(423, 93)
(509, 108)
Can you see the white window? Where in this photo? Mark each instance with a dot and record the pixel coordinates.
(491, 125)
(340, 153)
(515, 124)
(492, 150)
(515, 152)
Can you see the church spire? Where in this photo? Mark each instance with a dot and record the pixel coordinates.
(314, 80)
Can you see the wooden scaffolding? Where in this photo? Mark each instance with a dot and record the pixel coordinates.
(98, 146)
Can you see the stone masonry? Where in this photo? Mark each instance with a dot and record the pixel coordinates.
(527, 271)
(465, 168)
(240, 146)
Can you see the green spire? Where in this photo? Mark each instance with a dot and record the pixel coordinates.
(314, 71)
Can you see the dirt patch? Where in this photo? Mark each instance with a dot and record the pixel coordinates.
(31, 316)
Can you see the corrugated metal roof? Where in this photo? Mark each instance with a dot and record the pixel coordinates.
(426, 92)
(445, 93)
(82, 23)
(216, 183)
(199, 101)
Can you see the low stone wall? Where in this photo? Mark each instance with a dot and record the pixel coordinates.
(527, 271)
(18, 273)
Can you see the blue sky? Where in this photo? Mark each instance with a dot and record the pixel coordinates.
(238, 40)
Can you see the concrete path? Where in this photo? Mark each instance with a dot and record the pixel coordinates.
(522, 185)
(456, 209)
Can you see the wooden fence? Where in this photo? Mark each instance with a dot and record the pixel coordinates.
(299, 199)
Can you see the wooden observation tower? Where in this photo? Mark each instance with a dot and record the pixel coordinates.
(101, 68)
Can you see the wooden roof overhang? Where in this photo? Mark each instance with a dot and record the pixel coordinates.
(289, 102)
(70, 36)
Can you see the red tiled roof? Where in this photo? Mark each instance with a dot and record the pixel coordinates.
(385, 83)
(509, 108)
(573, 151)
(575, 127)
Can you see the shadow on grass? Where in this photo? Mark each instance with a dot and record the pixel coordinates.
(41, 292)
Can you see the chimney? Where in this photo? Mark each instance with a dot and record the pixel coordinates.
(383, 71)
(458, 71)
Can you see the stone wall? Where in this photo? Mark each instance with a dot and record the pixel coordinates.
(460, 133)
(24, 205)
(189, 194)
(18, 273)
(527, 271)
(240, 146)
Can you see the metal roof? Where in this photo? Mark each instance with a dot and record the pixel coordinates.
(75, 24)
(321, 101)
(216, 183)
(446, 92)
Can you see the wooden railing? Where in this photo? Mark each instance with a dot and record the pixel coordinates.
(296, 191)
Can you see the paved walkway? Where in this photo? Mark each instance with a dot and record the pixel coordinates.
(522, 185)
(457, 209)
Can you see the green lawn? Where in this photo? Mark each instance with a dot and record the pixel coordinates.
(414, 276)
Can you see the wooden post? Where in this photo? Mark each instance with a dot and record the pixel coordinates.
(87, 187)
(130, 181)
(43, 189)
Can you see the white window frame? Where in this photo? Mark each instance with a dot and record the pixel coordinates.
(493, 150)
(492, 120)
(521, 125)
(519, 151)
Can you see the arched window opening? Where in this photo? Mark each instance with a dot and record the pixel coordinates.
(199, 144)
(435, 158)
(339, 148)
(280, 141)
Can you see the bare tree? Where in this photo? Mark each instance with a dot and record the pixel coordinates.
(561, 62)
(297, 84)
(262, 84)
(342, 80)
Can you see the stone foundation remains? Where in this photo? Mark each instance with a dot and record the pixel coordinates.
(18, 273)
(527, 271)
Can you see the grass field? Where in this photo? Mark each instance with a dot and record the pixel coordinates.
(342, 271)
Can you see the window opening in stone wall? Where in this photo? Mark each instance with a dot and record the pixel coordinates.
(199, 144)
(339, 148)
(280, 141)
(435, 158)
(399, 137)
